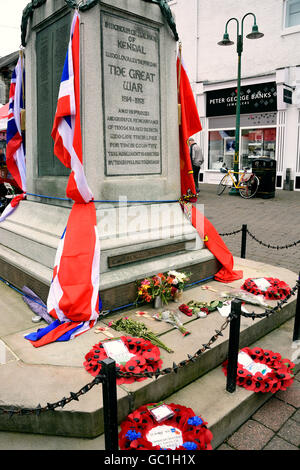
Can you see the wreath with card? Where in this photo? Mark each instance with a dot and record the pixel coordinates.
(159, 426)
(262, 370)
(273, 288)
(135, 355)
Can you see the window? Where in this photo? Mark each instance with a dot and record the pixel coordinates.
(221, 145)
(254, 143)
(292, 13)
(257, 143)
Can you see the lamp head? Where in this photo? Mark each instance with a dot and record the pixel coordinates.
(225, 41)
(255, 34)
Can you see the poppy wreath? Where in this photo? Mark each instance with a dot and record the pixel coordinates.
(146, 359)
(280, 378)
(277, 290)
(134, 430)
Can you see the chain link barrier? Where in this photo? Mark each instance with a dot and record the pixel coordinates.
(266, 245)
(13, 411)
(52, 406)
(230, 233)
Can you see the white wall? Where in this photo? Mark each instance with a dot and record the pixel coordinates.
(201, 25)
(214, 62)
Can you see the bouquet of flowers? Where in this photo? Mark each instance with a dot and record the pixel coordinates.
(137, 329)
(179, 279)
(173, 318)
(164, 285)
(202, 309)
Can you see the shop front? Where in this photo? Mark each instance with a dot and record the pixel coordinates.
(258, 128)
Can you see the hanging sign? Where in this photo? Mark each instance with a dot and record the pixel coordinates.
(257, 98)
(287, 96)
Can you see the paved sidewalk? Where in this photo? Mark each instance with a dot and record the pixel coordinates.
(276, 425)
(275, 221)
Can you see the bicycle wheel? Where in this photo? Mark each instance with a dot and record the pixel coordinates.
(224, 183)
(249, 188)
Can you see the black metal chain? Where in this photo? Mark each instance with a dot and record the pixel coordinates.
(181, 364)
(268, 245)
(230, 233)
(101, 377)
(270, 311)
(52, 406)
(175, 367)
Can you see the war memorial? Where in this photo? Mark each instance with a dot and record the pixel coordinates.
(131, 158)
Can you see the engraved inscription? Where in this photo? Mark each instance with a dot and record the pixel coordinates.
(125, 258)
(131, 84)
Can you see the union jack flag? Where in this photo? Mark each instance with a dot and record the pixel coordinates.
(66, 130)
(15, 148)
(73, 299)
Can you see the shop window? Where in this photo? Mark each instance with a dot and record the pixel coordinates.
(292, 13)
(257, 143)
(221, 146)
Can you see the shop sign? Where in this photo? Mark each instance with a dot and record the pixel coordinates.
(287, 96)
(257, 98)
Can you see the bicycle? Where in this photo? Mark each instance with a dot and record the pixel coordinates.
(247, 183)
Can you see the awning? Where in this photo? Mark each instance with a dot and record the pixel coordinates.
(3, 117)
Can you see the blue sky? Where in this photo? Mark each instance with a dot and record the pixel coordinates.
(10, 21)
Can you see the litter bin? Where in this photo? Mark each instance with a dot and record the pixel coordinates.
(265, 169)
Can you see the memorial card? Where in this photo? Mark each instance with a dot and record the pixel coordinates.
(117, 351)
(167, 437)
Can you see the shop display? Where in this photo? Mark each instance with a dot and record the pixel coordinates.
(262, 370)
(160, 426)
(134, 355)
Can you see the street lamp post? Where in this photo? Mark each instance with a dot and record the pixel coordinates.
(255, 34)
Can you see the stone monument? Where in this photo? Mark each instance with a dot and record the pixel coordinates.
(130, 150)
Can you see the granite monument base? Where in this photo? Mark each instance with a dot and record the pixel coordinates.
(135, 242)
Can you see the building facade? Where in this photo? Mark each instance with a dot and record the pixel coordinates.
(270, 82)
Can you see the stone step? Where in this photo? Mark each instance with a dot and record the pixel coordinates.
(32, 376)
(225, 412)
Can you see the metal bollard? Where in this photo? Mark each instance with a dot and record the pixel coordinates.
(244, 240)
(296, 333)
(233, 346)
(110, 404)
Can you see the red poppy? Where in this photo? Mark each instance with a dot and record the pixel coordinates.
(195, 437)
(278, 289)
(279, 378)
(186, 310)
(146, 359)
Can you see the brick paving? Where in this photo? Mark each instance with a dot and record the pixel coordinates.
(275, 221)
